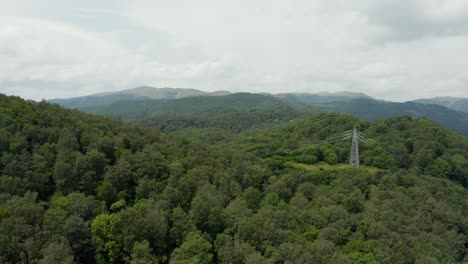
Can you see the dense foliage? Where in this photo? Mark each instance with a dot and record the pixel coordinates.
(77, 188)
(227, 119)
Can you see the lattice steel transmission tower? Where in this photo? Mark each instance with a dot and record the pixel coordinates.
(355, 135)
(354, 156)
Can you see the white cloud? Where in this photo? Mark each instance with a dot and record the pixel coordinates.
(415, 19)
(393, 49)
(44, 59)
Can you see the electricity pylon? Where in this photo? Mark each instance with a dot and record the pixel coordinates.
(355, 135)
(354, 156)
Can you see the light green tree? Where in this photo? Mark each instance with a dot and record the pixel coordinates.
(195, 250)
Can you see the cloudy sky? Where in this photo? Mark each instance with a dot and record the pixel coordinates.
(391, 49)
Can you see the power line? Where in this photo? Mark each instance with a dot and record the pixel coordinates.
(355, 135)
(354, 155)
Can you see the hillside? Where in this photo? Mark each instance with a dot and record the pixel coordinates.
(227, 119)
(455, 103)
(144, 109)
(374, 110)
(233, 113)
(403, 142)
(139, 93)
(78, 188)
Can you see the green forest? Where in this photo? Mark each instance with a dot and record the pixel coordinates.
(81, 188)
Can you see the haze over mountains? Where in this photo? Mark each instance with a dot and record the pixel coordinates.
(175, 108)
(147, 92)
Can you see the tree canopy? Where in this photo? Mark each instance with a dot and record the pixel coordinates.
(78, 188)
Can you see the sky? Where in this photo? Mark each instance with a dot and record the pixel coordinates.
(391, 49)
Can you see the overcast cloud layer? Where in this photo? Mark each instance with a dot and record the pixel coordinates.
(391, 49)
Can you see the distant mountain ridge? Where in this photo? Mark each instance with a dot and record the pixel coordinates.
(168, 93)
(455, 103)
(138, 93)
(173, 108)
(148, 92)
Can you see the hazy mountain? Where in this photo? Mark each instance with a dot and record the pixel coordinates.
(374, 109)
(146, 92)
(321, 97)
(139, 93)
(139, 110)
(456, 103)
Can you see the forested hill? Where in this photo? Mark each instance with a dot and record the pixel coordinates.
(234, 113)
(244, 111)
(77, 188)
(144, 109)
(415, 144)
(227, 119)
(240, 112)
(373, 110)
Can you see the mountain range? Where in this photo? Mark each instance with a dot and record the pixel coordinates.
(138, 93)
(456, 103)
(371, 110)
(173, 108)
